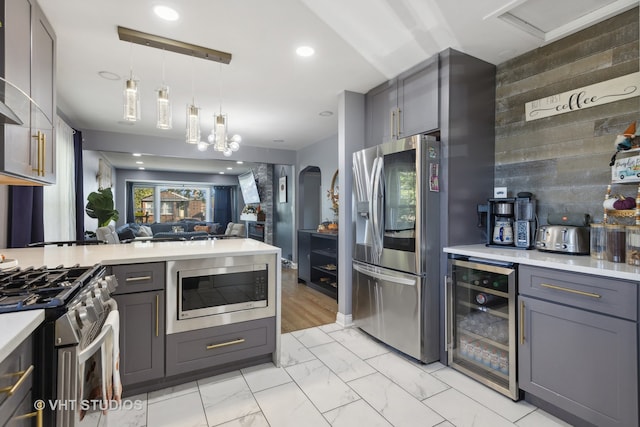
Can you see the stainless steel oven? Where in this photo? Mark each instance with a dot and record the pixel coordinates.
(208, 292)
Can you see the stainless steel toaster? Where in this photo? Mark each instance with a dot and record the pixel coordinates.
(563, 238)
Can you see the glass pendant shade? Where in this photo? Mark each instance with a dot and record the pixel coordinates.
(193, 124)
(131, 101)
(163, 108)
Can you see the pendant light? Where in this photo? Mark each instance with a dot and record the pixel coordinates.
(219, 137)
(163, 105)
(131, 96)
(193, 117)
(193, 124)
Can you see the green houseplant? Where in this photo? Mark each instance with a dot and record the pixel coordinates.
(100, 206)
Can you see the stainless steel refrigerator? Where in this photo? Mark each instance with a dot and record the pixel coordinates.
(396, 191)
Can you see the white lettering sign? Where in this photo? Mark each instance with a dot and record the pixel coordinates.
(589, 96)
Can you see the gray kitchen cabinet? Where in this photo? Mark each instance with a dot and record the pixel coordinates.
(404, 106)
(209, 348)
(578, 344)
(141, 303)
(28, 54)
(16, 381)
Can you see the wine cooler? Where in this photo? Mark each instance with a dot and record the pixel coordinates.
(481, 322)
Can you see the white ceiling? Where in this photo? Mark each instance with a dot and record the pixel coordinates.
(272, 97)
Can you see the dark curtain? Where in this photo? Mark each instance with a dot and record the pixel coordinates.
(130, 217)
(26, 224)
(222, 205)
(79, 181)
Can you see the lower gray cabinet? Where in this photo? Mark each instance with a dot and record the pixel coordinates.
(212, 347)
(570, 355)
(16, 375)
(142, 336)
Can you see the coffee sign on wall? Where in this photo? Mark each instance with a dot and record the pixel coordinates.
(589, 96)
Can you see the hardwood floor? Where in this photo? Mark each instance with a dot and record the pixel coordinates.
(303, 307)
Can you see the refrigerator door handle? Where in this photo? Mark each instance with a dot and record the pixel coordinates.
(373, 272)
(378, 193)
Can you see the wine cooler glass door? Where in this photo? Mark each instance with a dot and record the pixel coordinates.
(483, 320)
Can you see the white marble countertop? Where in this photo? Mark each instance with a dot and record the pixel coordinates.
(135, 252)
(576, 263)
(16, 327)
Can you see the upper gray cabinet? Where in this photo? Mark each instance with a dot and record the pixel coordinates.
(404, 106)
(27, 55)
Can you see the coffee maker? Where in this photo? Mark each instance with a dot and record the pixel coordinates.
(525, 221)
(509, 222)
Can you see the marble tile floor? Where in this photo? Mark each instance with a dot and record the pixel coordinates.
(329, 376)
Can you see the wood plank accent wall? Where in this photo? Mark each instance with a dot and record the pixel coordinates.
(564, 160)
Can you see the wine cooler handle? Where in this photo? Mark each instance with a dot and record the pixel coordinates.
(522, 322)
(448, 327)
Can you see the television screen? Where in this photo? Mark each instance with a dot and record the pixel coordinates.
(249, 188)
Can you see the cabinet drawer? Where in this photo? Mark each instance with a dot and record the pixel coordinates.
(601, 294)
(139, 277)
(12, 369)
(207, 348)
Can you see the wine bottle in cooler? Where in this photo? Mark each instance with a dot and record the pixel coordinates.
(487, 299)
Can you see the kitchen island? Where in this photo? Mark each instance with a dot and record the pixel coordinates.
(151, 355)
(577, 333)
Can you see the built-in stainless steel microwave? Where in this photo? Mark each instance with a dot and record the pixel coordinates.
(210, 292)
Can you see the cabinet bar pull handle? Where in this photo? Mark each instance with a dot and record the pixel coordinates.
(392, 120)
(573, 291)
(38, 137)
(399, 123)
(43, 168)
(522, 322)
(157, 313)
(23, 376)
(137, 279)
(37, 414)
(224, 344)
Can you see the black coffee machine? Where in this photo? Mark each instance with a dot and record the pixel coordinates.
(509, 222)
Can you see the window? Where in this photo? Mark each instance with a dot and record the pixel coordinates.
(170, 202)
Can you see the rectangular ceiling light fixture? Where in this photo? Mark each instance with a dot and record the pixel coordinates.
(145, 39)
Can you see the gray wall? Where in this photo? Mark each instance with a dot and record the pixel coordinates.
(284, 211)
(324, 155)
(564, 160)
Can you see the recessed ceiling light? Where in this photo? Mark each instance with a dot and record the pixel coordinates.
(221, 173)
(166, 13)
(139, 162)
(136, 155)
(108, 75)
(326, 113)
(305, 51)
(229, 168)
(239, 162)
(141, 168)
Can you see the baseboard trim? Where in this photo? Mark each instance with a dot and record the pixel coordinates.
(344, 320)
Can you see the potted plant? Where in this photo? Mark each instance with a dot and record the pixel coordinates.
(100, 206)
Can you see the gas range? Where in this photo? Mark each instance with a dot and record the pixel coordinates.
(43, 288)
